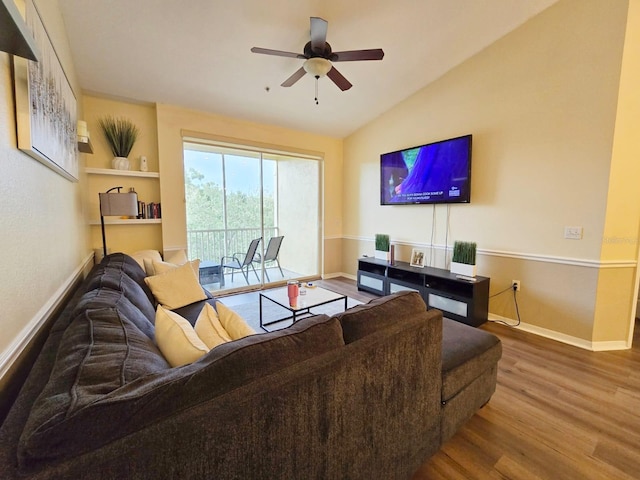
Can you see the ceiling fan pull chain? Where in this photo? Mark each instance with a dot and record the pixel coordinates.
(317, 77)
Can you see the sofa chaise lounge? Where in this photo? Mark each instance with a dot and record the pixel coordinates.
(367, 394)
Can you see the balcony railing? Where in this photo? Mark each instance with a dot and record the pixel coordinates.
(215, 244)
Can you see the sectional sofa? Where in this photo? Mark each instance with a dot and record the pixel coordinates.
(370, 393)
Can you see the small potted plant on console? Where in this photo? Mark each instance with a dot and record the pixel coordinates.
(382, 247)
(463, 261)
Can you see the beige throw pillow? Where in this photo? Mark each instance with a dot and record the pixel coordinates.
(148, 266)
(177, 287)
(162, 267)
(176, 338)
(233, 323)
(145, 257)
(209, 328)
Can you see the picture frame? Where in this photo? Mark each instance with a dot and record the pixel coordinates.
(417, 257)
(46, 106)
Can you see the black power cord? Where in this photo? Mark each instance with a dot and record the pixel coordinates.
(514, 289)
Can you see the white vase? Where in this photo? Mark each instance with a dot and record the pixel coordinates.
(120, 163)
(144, 166)
(463, 269)
(382, 255)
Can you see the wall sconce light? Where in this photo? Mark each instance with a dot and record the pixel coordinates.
(116, 204)
(84, 140)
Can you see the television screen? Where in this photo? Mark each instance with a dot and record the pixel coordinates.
(438, 172)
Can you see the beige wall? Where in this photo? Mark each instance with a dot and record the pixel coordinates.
(620, 239)
(298, 194)
(43, 239)
(542, 104)
(173, 121)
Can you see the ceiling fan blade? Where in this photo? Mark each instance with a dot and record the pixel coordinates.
(318, 34)
(355, 55)
(279, 53)
(342, 83)
(294, 78)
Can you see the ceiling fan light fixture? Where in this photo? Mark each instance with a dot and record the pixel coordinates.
(317, 66)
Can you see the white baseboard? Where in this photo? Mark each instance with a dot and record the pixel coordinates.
(15, 349)
(561, 337)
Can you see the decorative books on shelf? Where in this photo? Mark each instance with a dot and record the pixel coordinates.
(149, 210)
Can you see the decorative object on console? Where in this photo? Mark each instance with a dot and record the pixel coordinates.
(417, 258)
(121, 134)
(116, 204)
(463, 261)
(382, 247)
(144, 166)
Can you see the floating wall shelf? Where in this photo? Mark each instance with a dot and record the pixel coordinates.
(127, 221)
(121, 173)
(15, 37)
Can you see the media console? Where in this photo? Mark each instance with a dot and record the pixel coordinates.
(462, 300)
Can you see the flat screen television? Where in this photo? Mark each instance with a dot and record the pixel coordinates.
(438, 172)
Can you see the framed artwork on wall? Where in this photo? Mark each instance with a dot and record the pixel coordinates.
(417, 258)
(46, 114)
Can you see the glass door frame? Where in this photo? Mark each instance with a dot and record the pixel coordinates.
(262, 151)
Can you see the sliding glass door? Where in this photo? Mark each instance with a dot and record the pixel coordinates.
(254, 213)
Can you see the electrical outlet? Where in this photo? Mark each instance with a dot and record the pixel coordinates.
(516, 283)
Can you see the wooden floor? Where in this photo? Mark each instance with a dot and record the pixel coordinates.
(559, 412)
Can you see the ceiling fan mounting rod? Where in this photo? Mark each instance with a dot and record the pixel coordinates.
(309, 52)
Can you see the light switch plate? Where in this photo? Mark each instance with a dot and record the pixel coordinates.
(573, 233)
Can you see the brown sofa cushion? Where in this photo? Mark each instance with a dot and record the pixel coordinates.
(192, 311)
(119, 281)
(108, 298)
(100, 352)
(362, 320)
(72, 417)
(131, 268)
(467, 352)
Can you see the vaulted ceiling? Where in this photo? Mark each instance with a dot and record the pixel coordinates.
(196, 53)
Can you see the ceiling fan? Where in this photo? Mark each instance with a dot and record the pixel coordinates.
(318, 57)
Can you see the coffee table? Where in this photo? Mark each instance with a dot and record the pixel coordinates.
(314, 297)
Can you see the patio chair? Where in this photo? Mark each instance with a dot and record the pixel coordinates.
(271, 255)
(238, 262)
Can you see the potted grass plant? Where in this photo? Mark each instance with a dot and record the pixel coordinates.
(121, 134)
(463, 261)
(383, 245)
